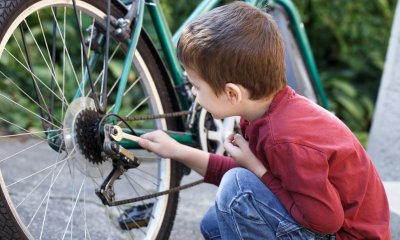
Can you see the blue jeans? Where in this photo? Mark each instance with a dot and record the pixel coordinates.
(246, 209)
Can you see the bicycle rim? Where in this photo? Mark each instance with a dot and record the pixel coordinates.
(54, 197)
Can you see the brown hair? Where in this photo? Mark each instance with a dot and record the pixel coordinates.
(235, 43)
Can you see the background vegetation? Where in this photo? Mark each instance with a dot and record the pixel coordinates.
(349, 41)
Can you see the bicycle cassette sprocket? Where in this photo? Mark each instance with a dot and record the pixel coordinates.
(86, 135)
(80, 137)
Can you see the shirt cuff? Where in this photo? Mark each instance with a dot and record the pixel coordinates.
(211, 175)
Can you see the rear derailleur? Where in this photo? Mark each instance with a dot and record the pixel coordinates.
(122, 159)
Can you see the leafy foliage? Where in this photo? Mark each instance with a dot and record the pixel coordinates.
(349, 40)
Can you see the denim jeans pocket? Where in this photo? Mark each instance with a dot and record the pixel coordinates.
(244, 207)
(289, 230)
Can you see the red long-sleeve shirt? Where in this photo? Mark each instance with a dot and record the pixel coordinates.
(316, 167)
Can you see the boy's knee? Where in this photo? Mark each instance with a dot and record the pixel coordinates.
(231, 187)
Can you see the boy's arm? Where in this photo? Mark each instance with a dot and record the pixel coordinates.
(211, 166)
(193, 158)
(299, 176)
(160, 143)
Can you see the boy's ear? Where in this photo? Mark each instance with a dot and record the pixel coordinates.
(233, 93)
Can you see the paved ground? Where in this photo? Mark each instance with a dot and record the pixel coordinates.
(194, 202)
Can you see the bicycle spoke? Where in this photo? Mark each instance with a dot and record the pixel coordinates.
(30, 72)
(82, 61)
(35, 173)
(133, 187)
(137, 225)
(138, 106)
(26, 149)
(126, 91)
(66, 49)
(102, 71)
(27, 60)
(131, 179)
(151, 175)
(72, 211)
(44, 58)
(47, 46)
(48, 197)
(26, 109)
(23, 129)
(144, 177)
(87, 65)
(26, 94)
(132, 85)
(91, 37)
(33, 189)
(37, 209)
(28, 133)
(63, 62)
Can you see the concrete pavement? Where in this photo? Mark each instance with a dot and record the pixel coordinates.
(193, 204)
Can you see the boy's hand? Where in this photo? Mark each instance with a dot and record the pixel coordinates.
(160, 143)
(239, 149)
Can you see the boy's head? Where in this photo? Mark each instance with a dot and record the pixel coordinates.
(235, 43)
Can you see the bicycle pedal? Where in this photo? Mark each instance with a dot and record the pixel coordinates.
(136, 216)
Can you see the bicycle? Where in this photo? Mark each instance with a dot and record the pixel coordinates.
(63, 97)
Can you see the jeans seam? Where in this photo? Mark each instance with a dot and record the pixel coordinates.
(234, 198)
(237, 181)
(236, 226)
(209, 236)
(255, 199)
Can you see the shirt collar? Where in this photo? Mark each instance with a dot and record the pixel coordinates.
(285, 92)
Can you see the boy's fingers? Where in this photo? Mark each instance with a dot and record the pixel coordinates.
(230, 148)
(149, 135)
(146, 144)
(152, 135)
(239, 141)
(230, 137)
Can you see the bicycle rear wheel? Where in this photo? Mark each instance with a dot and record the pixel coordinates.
(44, 192)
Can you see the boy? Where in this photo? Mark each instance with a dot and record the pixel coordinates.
(298, 172)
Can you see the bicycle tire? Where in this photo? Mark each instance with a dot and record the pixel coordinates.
(154, 84)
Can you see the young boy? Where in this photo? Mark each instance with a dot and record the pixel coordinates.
(298, 172)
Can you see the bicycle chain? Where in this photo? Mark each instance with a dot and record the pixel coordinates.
(157, 116)
(155, 195)
(172, 190)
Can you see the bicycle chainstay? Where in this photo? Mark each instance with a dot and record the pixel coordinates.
(172, 190)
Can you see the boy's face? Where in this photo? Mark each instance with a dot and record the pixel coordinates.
(219, 106)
